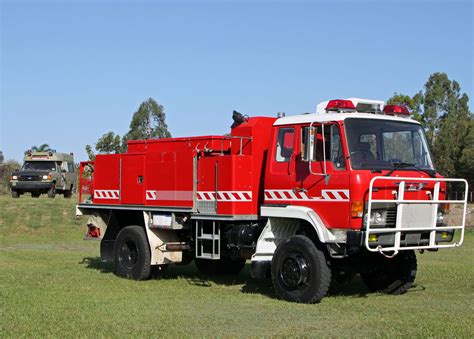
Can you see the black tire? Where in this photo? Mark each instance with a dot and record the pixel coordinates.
(300, 271)
(15, 194)
(132, 254)
(52, 192)
(67, 193)
(392, 276)
(223, 266)
(35, 195)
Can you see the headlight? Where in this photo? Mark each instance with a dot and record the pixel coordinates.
(378, 218)
(46, 177)
(440, 218)
(15, 177)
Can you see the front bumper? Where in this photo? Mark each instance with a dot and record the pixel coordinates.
(357, 239)
(31, 185)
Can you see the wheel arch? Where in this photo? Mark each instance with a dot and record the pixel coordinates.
(284, 222)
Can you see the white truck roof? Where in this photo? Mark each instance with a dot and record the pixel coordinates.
(322, 115)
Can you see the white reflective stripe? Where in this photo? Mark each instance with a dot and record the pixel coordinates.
(106, 194)
(232, 196)
(169, 195)
(326, 195)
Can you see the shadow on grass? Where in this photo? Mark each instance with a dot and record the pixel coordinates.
(353, 288)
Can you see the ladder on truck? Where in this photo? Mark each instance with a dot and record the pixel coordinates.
(208, 240)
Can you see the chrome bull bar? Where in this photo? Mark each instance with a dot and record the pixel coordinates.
(414, 215)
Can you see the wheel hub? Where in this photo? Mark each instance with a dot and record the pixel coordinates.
(294, 271)
(128, 254)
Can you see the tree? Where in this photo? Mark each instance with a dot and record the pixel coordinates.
(6, 170)
(444, 113)
(42, 148)
(1, 158)
(148, 122)
(90, 152)
(109, 143)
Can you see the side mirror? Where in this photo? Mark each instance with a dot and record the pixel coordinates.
(312, 145)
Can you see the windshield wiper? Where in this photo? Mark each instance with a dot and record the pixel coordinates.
(399, 165)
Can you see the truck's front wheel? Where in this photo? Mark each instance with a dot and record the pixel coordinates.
(52, 192)
(15, 194)
(393, 276)
(132, 254)
(300, 272)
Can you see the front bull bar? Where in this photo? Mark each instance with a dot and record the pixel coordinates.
(407, 216)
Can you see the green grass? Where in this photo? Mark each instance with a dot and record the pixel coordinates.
(52, 283)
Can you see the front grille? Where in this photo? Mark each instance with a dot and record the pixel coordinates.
(30, 178)
(391, 218)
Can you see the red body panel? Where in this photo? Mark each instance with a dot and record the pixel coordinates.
(162, 172)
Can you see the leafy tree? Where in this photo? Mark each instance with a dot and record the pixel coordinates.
(148, 122)
(444, 113)
(6, 170)
(90, 152)
(1, 158)
(41, 148)
(109, 143)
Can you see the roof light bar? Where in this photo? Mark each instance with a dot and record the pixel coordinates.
(396, 110)
(340, 104)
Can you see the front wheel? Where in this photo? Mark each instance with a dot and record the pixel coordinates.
(392, 276)
(300, 272)
(132, 255)
(15, 194)
(52, 192)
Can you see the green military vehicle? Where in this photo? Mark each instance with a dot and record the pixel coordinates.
(44, 172)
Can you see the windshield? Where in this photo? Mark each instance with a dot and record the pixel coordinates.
(383, 144)
(39, 166)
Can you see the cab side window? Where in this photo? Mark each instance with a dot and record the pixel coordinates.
(336, 153)
(70, 166)
(285, 144)
(332, 146)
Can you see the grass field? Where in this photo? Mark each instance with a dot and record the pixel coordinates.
(53, 284)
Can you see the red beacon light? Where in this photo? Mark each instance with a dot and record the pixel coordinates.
(396, 110)
(340, 105)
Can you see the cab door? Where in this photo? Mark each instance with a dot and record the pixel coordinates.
(280, 178)
(322, 178)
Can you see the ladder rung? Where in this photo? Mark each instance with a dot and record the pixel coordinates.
(207, 237)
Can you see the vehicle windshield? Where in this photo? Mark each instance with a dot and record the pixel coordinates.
(384, 144)
(39, 166)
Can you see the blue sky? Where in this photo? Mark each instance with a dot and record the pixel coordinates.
(71, 72)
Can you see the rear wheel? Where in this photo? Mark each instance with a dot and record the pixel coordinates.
(15, 194)
(393, 276)
(132, 254)
(219, 267)
(68, 193)
(300, 272)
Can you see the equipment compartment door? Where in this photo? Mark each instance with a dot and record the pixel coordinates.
(132, 179)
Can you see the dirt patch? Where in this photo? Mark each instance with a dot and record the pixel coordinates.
(455, 214)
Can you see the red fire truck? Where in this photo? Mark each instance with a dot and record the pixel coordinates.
(308, 199)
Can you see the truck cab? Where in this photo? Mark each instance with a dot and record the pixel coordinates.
(44, 173)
